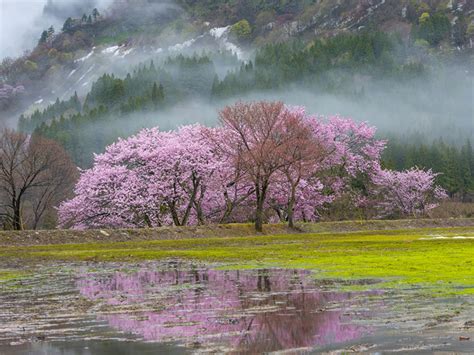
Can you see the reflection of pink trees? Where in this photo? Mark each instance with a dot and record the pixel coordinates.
(264, 311)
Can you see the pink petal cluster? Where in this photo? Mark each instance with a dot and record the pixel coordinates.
(151, 179)
(182, 177)
(412, 192)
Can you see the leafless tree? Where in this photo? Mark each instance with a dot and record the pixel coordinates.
(35, 174)
(264, 138)
(302, 153)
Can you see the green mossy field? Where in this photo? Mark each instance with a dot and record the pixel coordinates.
(7, 275)
(437, 260)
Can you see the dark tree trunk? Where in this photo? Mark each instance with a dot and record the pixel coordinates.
(174, 214)
(291, 207)
(261, 195)
(147, 221)
(198, 207)
(196, 182)
(17, 225)
(291, 223)
(259, 217)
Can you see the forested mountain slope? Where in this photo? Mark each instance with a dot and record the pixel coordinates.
(114, 67)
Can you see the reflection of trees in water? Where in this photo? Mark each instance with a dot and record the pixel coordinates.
(256, 311)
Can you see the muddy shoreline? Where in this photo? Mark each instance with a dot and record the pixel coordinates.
(47, 237)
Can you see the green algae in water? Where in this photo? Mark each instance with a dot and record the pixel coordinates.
(435, 260)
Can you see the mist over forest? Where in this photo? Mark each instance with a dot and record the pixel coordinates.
(236, 176)
(436, 100)
(84, 73)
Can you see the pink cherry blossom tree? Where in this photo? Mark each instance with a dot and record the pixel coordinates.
(411, 192)
(151, 179)
(265, 161)
(346, 150)
(258, 136)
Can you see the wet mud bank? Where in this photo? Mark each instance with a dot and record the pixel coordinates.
(25, 238)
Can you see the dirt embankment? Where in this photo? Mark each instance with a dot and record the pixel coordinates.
(43, 237)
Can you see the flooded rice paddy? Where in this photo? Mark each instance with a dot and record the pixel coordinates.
(175, 307)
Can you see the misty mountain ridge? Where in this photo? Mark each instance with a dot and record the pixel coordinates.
(435, 37)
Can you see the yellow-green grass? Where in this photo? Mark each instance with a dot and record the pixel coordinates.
(399, 258)
(56, 236)
(8, 275)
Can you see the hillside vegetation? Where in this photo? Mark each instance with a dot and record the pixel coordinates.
(106, 73)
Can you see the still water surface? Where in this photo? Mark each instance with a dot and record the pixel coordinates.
(175, 308)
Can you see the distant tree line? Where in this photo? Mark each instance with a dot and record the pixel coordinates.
(147, 89)
(313, 65)
(59, 108)
(455, 164)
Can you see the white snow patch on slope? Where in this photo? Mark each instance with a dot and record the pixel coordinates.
(72, 72)
(83, 59)
(180, 46)
(127, 52)
(218, 32)
(222, 34)
(84, 75)
(110, 50)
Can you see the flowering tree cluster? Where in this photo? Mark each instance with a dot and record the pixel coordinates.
(406, 193)
(265, 161)
(151, 179)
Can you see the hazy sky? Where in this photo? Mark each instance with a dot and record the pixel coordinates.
(22, 21)
(18, 25)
